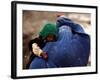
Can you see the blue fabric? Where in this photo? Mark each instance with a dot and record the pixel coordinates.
(38, 63)
(70, 50)
(74, 26)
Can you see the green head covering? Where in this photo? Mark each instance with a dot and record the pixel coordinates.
(48, 29)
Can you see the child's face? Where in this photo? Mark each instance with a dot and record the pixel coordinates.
(50, 38)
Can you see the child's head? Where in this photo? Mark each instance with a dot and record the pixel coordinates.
(49, 32)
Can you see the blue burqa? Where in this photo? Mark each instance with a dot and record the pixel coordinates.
(70, 50)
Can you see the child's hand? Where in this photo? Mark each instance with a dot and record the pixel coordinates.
(36, 50)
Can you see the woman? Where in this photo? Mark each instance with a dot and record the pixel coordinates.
(71, 49)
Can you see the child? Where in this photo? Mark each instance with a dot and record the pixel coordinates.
(47, 34)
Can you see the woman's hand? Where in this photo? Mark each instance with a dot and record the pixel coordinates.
(44, 56)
